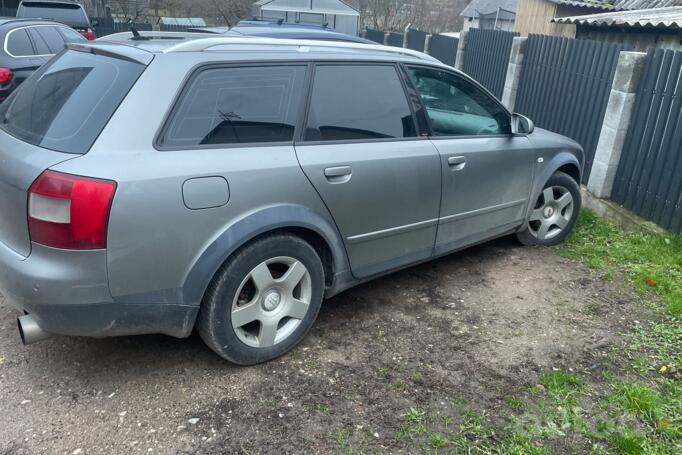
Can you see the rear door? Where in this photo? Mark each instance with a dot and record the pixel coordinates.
(379, 179)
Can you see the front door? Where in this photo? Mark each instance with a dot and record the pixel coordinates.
(361, 151)
(487, 172)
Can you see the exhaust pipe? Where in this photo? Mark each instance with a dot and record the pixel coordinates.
(29, 330)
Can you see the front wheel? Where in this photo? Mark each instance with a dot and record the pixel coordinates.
(554, 213)
(263, 301)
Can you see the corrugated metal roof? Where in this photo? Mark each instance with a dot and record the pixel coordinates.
(189, 21)
(618, 5)
(658, 17)
(477, 7)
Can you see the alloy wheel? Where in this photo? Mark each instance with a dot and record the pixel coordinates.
(552, 213)
(271, 302)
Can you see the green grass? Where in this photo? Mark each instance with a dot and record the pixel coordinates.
(652, 261)
(563, 385)
(630, 407)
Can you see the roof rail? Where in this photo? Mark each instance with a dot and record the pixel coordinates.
(204, 44)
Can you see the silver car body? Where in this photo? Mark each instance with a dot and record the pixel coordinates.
(178, 214)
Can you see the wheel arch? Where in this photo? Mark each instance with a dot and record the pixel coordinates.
(565, 162)
(294, 219)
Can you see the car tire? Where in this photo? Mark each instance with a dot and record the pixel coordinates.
(554, 213)
(263, 300)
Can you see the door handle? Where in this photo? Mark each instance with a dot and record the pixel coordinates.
(338, 174)
(457, 163)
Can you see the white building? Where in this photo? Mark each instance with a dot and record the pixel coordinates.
(335, 13)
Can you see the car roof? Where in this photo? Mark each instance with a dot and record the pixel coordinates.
(251, 48)
(26, 21)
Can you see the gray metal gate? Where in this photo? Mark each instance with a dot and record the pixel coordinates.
(565, 85)
(486, 57)
(444, 48)
(649, 176)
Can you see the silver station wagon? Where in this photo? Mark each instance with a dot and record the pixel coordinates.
(229, 185)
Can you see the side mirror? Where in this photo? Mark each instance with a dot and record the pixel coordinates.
(521, 125)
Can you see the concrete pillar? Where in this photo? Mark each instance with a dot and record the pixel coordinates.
(511, 83)
(461, 50)
(616, 123)
(385, 43)
(427, 44)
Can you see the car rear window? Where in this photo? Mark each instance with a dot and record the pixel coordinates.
(65, 105)
(72, 15)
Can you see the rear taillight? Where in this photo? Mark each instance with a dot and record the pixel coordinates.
(89, 34)
(6, 75)
(69, 212)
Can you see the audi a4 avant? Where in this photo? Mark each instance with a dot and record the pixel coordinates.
(229, 185)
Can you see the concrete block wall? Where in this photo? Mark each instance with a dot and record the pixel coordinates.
(616, 123)
(511, 83)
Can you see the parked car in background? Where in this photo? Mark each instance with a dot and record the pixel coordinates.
(66, 12)
(230, 185)
(27, 45)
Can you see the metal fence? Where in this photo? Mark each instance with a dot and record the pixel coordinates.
(395, 39)
(649, 176)
(8, 12)
(416, 40)
(375, 35)
(444, 48)
(106, 26)
(565, 85)
(487, 56)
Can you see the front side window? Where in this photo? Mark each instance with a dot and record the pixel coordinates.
(358, 102)
(237, 105)
(456, 107)
(71, 36)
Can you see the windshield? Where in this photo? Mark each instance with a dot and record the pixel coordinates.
(66, 104)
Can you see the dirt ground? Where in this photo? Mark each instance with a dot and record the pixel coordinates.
(467, 331)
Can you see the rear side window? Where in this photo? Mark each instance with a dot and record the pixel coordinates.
(237, 105)
(66, 103)
(19, 44)
(358, 102)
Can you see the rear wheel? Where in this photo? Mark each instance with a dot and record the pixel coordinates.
(263, 301)
(554, 213)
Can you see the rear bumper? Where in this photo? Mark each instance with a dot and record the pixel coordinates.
(67, 292)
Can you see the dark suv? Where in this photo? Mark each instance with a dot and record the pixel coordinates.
(27, 45)
(67, 12)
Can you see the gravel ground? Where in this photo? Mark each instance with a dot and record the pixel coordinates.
(468, 330)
